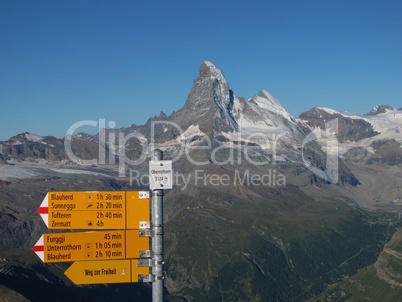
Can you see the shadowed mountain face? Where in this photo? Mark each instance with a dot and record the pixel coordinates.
(210, 104)
(264, 207)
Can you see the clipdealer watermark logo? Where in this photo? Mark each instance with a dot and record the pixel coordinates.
(200, 177)
(113, 147)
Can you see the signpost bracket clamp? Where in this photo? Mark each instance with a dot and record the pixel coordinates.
(146, 254)
(143, 194)
(146, 233)
(145, 263)
(145, 225)
(146, 278)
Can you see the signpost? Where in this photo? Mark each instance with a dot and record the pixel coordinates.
(125, 215)
(124, 218)
(100, 272)
(82, 246)
(95, 210)
(160, 175)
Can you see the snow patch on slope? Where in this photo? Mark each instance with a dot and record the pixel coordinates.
(190, 133)
(33, 137)
(267, 101)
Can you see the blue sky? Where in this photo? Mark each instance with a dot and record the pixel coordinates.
(125, 61)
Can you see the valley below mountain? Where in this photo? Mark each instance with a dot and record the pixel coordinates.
(264, 207)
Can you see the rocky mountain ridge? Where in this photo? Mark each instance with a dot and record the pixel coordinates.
(213, 111)
(362, 134)
(380, 108)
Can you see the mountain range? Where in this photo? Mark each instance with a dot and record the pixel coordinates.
(265, 206)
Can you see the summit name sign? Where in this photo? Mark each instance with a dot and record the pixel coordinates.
(160, 174)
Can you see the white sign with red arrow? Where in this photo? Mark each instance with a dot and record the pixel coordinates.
(39, 249)
(43, 210)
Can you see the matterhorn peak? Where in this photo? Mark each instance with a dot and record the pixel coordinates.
(210, 104)
(209, 70)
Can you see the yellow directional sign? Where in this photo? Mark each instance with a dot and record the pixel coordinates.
(95, 210)
(137, 208)
(83, 246)
(109, 271)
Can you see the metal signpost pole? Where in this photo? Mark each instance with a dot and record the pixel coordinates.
(157, 239)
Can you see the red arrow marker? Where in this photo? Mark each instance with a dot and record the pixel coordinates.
(44, 210)
(38, 248)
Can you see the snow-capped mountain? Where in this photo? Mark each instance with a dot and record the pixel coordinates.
(380, 108)
(382, 124)
(214, 112)
(46, 149)
(217, 110)
(217, 126)
(220, 123)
